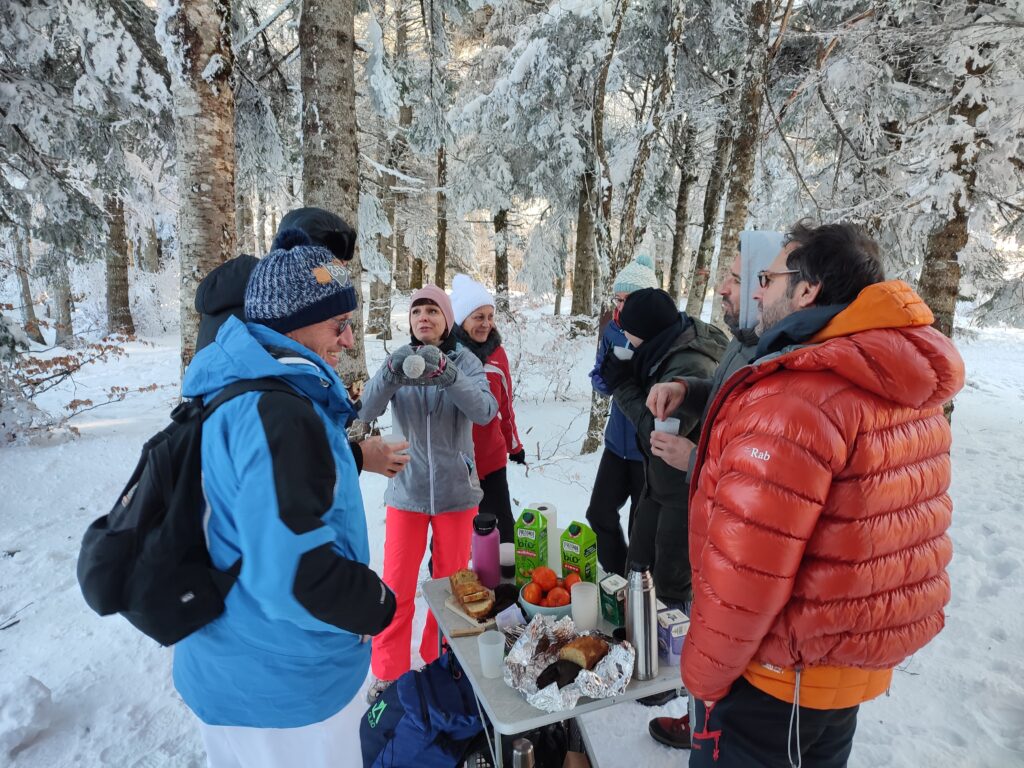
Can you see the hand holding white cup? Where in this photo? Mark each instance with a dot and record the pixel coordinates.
(669, 425)
(623, 353)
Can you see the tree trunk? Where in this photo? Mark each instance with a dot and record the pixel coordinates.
(709, 226)
(119, 314)
(600, 406)
(379, 318)
(559, 290)
(745, 146)
(583, 269)
(61, 284)
(687, 178)
(501, 259)
(441, 265)
(197, 45)
(260, 240)
(330, 156)
(23, 266)
(245, 227)
(940, 276)
(149, 250)
(403, 264)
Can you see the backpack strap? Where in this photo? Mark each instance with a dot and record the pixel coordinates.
(232, 391)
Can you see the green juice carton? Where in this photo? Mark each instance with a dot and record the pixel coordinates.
(531, 539)
(579, 552)
(613, 599)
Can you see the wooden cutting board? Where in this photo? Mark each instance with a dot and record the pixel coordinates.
(452, 604)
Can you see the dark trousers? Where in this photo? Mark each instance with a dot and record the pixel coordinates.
(497, 502)
(660, 538)
(617, 479)
(749, 729)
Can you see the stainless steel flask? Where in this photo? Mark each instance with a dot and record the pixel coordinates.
(522, 753)
(642, 620)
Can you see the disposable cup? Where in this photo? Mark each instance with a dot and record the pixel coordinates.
(394, 437)
(584, 605)
(507, 556)
(669, 425)
(492, 652)
(623, 353)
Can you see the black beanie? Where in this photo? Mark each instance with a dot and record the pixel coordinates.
(324, 229)
(648, 312)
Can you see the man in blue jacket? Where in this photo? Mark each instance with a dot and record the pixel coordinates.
(620, 475)
(274, 679)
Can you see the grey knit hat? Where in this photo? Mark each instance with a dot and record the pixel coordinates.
(297, 284)
(639, 273)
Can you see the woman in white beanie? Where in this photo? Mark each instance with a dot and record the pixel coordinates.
(497, 441)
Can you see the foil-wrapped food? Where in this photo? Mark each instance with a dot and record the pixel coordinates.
(543, 662)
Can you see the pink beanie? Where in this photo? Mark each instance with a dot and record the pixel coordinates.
(439, 297)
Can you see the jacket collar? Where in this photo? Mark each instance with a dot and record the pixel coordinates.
(483, 351)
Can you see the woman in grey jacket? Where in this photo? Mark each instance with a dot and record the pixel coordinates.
(437, 390)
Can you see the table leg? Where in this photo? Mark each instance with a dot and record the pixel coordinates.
(440, 642)
(497, 750)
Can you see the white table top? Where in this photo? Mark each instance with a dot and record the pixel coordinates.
(507, 708)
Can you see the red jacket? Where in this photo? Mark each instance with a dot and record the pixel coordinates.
(818, 520)
(494, 441)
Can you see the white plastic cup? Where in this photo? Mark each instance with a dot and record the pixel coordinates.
(492, 653)
(393, 438)
(584, 605)
(669, 425)
(623, 353)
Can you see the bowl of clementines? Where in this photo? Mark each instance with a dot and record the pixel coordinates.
(547, 594)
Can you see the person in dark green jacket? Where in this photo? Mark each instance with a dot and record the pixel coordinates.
(669, 345)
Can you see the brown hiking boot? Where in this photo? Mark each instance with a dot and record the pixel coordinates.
(671, 731)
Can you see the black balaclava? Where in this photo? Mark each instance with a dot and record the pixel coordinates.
(648, 312)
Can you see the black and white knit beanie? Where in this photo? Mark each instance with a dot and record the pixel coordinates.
(297, 284)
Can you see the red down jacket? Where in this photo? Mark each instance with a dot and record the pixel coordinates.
(494, 441)
(818, 522)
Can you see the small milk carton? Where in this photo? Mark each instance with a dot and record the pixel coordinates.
(613, 599)
(672, 627)
(579, 552)
(531, 539)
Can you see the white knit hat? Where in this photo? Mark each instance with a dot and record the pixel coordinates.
(467, 295)
(638, 274)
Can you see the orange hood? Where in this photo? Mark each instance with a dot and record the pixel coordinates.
(884, 343)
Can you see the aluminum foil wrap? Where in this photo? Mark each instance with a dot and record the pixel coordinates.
(538, 647)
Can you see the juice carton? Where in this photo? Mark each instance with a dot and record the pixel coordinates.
(531, 539)
(613, 599)
(579, 552)
(672, 628)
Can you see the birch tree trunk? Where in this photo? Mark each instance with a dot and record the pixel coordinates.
(940, 276)
(583, 269)
(744, 151)
(330, 156)
(709, 226)
(23, 266)
(501, 259)
(61, 284)
(196, 40)
(119, 314)
(687, 178)
(441, 263)
(149, 250)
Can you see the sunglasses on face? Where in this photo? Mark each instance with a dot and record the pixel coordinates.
(341, 325)
(765, 277)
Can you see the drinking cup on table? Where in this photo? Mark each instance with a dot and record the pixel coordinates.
(507, 557)
(669, 425)
(584, 605)
(492, 652)
(623, 353)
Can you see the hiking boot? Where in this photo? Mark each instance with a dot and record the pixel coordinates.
(657, 699)
(671, 731)
(377, 687)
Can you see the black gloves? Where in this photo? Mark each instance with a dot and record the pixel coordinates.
(615, 372)
(519, 457)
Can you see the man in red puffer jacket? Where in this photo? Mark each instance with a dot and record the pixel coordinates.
(819, 511)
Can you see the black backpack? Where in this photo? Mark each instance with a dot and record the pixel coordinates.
(147, 558)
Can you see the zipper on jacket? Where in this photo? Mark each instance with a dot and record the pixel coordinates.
(430, 456)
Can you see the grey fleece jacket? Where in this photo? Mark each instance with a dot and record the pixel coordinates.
(438, 423)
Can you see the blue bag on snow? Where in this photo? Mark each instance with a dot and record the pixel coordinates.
(427, 719)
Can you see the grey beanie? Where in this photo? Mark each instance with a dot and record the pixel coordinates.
(638, 274)
(297, 284)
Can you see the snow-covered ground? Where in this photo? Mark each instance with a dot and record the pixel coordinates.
(959, 702)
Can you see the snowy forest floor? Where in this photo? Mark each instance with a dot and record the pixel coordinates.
(959, 702)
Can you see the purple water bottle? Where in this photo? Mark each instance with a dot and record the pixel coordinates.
(486, 550)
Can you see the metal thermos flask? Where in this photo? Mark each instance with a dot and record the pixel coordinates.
(522, 753)
(642, 620)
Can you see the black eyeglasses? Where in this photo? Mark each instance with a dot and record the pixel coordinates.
(765, 277)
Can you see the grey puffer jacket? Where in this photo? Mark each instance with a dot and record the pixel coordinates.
(438, 423)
